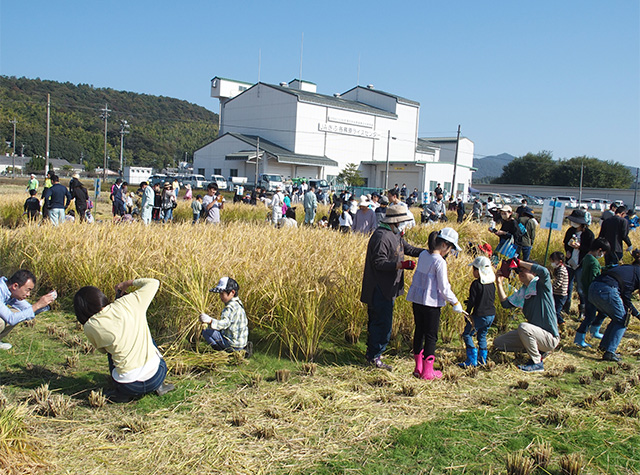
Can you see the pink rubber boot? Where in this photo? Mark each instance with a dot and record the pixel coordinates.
(419, 364)
(427, 369)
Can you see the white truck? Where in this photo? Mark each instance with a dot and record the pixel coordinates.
(268, 181)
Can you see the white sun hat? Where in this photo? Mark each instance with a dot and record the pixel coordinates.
(483, 264)
(450, 235)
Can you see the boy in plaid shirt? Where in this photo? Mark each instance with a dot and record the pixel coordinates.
(231, 331)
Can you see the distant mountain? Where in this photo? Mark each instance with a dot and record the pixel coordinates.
(490, 167)
(163, 130)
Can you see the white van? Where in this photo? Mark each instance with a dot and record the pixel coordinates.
(220, 181)
(570, 201)
(196, 181)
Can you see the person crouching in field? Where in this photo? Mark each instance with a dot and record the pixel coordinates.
(430, 291)
(535, 298)
(231, 331)
(120, 330)
(482, 309)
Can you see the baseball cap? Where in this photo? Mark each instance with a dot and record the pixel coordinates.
(226, 284)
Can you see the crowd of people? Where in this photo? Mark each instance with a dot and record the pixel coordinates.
(136, 367)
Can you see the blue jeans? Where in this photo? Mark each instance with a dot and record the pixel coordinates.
(591, 318)
(559, 300)
(380, 312)
(481, 325)
(139, 388)
(167, 215)
(525, 252)
(215, 339)
(607, 299)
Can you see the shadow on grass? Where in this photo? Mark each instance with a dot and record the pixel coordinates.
(76, 386)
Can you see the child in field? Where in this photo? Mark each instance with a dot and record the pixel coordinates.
(429, 292)
(590, 270)
(32, 205)
(482, 309)
(559, 285)
(231, 331)
(196, 208)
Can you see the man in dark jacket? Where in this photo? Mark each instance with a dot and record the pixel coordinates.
(383, 278)
(57, 199)
(525, 217)
(616, 231)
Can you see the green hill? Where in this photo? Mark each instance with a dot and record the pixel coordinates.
(162, 129)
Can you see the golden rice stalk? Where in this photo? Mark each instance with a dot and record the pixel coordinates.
(518, 464)
(97, 399)
(571, 464)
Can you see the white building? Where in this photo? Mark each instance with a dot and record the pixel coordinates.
(136, 175)
(305, 134)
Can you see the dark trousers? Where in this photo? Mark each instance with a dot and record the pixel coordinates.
(139, 388)
(427, 321)
(380, 312)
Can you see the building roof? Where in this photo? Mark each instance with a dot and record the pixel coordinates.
(425, 145)
(332, 101)
(282, 155)
(232, 80)
(443, 139)
(388, 94)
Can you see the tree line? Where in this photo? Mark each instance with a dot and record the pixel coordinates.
(163, 130)
(541, 169)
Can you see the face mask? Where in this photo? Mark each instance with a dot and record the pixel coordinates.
(574, 225)
(554, 264)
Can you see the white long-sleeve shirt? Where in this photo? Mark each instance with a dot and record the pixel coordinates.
(430, 286)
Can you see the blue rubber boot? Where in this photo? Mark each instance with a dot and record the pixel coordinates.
(579, 340)
(482, 356)
(595, 332)
(472, 358)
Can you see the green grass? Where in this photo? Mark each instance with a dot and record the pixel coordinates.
(476, 440)
(345, 419)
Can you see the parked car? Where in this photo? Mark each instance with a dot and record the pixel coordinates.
(570, 201)
(159, 178)
(196, 181)
(220, 181)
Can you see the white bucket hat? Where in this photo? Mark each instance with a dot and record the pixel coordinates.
(450, 235)
(364, 201)
(483, 264)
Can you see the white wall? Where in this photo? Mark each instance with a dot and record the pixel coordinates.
(263, 111)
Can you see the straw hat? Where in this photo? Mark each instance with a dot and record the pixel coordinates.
(397, 214)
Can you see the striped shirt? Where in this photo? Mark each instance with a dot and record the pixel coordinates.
(560, 281)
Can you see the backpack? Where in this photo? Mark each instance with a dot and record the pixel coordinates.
(521, 232)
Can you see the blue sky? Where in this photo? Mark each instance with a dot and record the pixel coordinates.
(517, 76)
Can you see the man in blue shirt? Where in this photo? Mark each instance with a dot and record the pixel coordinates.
(13, 292)
(539, 334)
(57, 199)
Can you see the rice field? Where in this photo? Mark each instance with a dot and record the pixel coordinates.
(301, 290)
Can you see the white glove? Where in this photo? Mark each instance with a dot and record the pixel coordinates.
(630, 248)
(457, 308)
(204, 318)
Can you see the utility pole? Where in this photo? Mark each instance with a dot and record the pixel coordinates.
(635, 191)
(124, 129)
(455, 165)
(13, 168)
(105, 116)
(581, 176)
(46, 160)
(386, 170)
(257, 159)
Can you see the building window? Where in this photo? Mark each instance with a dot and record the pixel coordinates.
(447, 187)
(233, 172)
(201, 171)
(217, 171)
(433, 185)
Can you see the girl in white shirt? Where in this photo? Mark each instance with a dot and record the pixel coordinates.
(429, 292)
